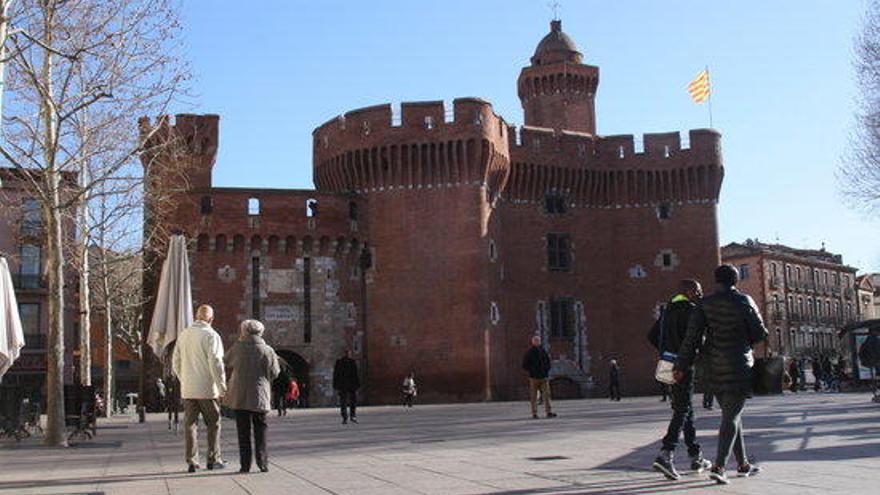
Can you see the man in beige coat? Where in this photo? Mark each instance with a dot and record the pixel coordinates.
(253, 366)
(198, 364)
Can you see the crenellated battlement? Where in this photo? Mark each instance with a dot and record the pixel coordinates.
(369, 149)
(615, 171)
(184, 149)
(579, 149)
(378, 123)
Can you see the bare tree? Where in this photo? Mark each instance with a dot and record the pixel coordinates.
(859, 175)
(79, 71)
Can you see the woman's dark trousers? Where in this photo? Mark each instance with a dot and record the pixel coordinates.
(243, 422)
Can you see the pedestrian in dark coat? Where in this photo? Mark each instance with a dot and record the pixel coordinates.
(722, 330)
(666, 336)
(817, 374)
(794, 373)
(254, 365)
(614, 380)
(537, 363)
(346, 383)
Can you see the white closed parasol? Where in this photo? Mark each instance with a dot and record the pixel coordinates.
(11, 334)
(173, 310)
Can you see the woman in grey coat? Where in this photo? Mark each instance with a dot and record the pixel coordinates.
(254, 365)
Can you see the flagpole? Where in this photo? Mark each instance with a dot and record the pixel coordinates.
(709, 80)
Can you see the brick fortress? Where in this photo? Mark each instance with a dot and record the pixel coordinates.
(441, 239)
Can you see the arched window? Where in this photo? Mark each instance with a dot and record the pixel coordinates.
(253, 206)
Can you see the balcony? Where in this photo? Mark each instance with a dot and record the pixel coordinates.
(21, 281)
(35, 341)
(31, 230)
(777, 315)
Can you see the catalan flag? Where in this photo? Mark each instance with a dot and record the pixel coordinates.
(699, 87)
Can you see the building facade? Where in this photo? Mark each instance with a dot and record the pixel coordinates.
(22, 244)
(805, 295)
(439, 240)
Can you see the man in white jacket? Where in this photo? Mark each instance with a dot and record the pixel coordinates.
(198, 364)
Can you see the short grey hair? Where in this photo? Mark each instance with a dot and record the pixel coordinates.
(251, 327)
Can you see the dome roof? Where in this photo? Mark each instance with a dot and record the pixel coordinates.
(556, 47)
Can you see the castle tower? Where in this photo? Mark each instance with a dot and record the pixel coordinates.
(430, 184)
(558, 90)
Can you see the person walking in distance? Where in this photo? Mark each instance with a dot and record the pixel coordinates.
(198, 364)
(279, 390)
(537, 363)
(254, 366)
(614, 380)
(409, 389)
(346, 383)
(292, 396)
(723, 329)
(794, 373)
(667, 335)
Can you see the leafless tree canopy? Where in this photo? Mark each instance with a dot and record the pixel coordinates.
(859, 175)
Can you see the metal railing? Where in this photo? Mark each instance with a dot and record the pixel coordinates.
(35, 341)
(23, 281)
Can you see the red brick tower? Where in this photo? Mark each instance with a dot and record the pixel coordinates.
(558, 91)
(430, 184)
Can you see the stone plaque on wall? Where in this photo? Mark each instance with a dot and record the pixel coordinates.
(279, 313)
(282, 280)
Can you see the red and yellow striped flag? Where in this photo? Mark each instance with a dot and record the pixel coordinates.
(699, 87)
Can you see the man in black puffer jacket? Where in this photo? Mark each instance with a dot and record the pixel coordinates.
(666, 336)
(723, 329)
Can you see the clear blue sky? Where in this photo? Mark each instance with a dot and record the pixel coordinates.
(782, 83)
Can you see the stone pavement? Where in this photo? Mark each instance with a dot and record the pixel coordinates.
(809, 443)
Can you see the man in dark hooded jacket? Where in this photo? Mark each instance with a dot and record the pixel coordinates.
(722, 330)
(666, 336)
(346, 383)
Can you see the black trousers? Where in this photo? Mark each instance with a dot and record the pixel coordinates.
(243, 422)
(682, 418)
(614, 390)
(730, 432)
(348, 404)
(708, 399)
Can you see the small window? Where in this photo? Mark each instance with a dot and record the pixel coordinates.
(562, 317)
(494, 314)
(429, 122)
(744, 272)
(311, 207)
(352, 211)
(207, 205)
(666, 151)
(558, 252)
(555, 203)
(621, 153)
(667, 260)
(664, 211)
(478, 120)
(493, 250)
(366, 129)
(253, 206)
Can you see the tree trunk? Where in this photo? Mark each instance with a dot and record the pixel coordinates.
(108, 336)
(55, 429)
(85, 306)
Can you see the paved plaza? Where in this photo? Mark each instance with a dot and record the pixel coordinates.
(809, 443)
